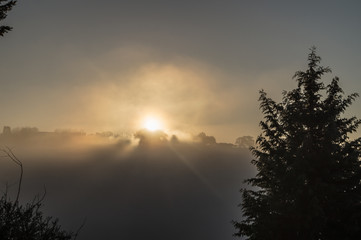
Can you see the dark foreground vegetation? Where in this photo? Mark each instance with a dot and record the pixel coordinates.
(27, 221)
(308, 181)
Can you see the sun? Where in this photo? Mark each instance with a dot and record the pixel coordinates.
(152, 124)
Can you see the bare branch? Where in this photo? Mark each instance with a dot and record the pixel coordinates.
(37, 200)
(77, 232)
(10, 154)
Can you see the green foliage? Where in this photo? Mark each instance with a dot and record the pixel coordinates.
(5, 6)
(308, 180)
(28, 222)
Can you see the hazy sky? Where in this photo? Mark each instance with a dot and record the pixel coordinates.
(198, 65)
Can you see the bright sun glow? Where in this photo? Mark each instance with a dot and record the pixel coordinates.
(152, 124)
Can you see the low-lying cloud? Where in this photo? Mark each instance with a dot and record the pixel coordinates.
(159, 188)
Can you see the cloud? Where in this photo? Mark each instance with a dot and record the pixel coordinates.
(181, 90)
(115, 88)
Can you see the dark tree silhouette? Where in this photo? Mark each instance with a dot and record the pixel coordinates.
(5, 6)
(204, 139)
(244, 142)
(308, 180)
(27, 221)
(151, 138)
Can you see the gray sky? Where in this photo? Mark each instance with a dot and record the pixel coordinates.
(197, 65)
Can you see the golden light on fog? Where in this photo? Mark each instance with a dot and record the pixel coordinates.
(152, 124)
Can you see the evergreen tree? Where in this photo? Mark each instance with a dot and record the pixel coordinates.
(5, 6)
(308, 181)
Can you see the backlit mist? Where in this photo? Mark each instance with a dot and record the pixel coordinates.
(137, 116)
